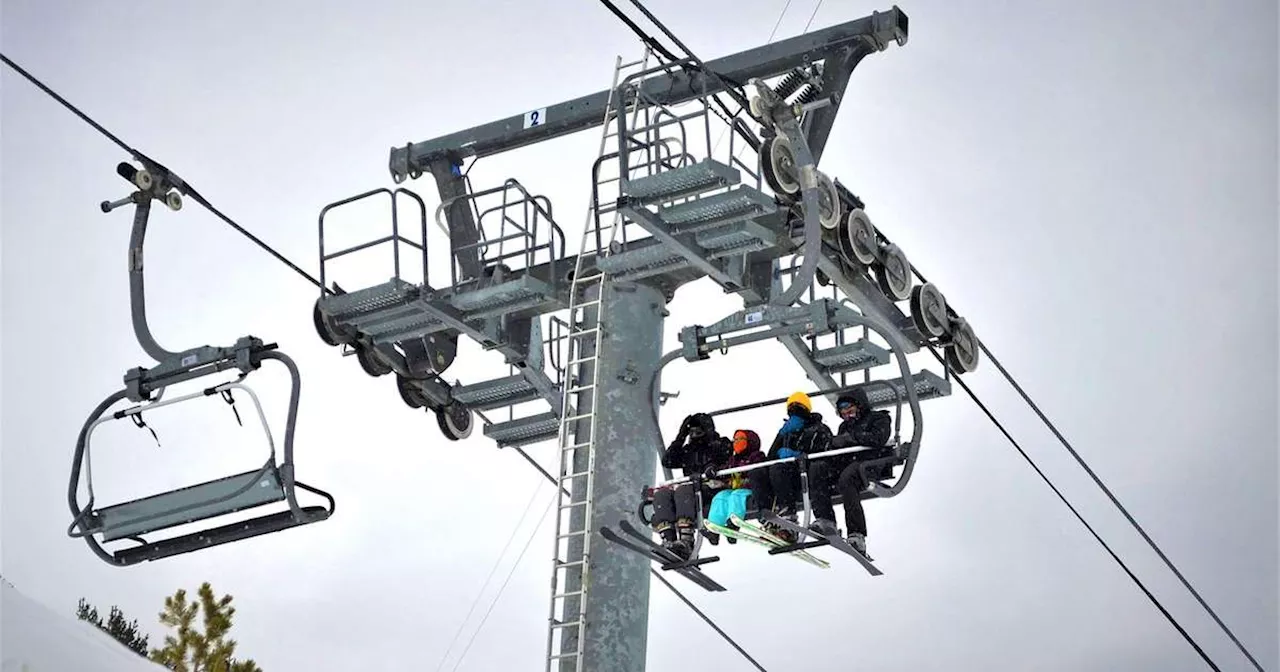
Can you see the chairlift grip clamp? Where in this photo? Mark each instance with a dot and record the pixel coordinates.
(693, 344)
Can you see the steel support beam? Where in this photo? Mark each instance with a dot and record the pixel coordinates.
(838, 43)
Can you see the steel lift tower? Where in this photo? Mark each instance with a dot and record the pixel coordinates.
(581, 335)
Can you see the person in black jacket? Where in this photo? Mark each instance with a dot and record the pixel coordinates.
(860, 426)
(777, 487)
(696, 450)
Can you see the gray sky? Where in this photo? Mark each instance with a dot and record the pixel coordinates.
(1094, 185)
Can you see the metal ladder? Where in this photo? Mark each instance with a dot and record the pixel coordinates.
(572, 587)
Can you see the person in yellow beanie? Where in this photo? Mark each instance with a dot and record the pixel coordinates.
(778, 487)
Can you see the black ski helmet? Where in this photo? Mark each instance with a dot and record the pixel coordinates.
(856, 397)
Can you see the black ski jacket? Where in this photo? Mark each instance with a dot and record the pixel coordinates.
(694, 457)
(870, 428)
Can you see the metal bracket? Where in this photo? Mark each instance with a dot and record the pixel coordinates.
(865, 35)
(765, 322)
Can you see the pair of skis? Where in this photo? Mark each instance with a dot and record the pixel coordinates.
(750, 532)
(833, 540)
(645, 545)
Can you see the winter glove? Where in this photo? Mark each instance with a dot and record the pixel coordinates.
(792, 424)
(784, 453)
(710, 472)
(684, 428)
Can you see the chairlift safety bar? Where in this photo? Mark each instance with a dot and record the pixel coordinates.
(768, 463)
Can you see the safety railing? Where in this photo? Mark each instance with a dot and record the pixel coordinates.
(395, 239)
(525, 233)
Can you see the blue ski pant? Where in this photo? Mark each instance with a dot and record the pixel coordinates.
(728, 502)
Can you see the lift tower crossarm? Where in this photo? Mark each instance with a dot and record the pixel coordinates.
(841, 46)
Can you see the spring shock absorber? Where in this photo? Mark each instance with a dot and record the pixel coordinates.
(789, 84)
(808, 95)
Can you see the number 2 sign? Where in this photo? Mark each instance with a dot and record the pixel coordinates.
(535, 118)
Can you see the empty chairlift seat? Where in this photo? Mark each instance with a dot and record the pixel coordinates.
(270, 483)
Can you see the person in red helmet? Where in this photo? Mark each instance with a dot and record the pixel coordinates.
(860, 425)
(696, 450)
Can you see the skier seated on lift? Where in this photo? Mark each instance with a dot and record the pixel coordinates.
(777, 487)
(733, 499)
(860, 426)
(696, 450)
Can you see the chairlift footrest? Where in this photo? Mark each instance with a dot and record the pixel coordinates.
(690, 563)
(217, 536)
(799, 546)
(642, 545)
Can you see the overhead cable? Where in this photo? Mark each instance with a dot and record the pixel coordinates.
(1079, 517)
(186, 188)
(1107, 491)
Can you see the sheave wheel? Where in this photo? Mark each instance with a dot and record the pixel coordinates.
(828, 203)
(929, 310)
(778, 163)
(408, 393)
(455, 421)
(322, 326)
(371, 363)
(894, 274)
(859, 241)
(962, 354)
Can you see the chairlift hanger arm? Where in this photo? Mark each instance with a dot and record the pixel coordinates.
(875, 31)
(821, 316)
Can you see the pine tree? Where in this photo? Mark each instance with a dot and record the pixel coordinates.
(125, 632)
(189, 649)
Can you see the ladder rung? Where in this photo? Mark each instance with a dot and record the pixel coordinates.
(565, 449)
(570, 505)
(580, 416)
(567, 535)
(584, 332)
(575, 563)
(578, 474)
(586, 304)
(583, 360)
(561, 596)
(558, 656)
(580, 389)
(570, 624)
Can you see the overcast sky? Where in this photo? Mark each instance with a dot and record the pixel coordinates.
(1092, 184)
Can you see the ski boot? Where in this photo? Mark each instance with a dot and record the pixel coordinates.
(859, 544)
(683, 546)
(824, 527)
(731, 526)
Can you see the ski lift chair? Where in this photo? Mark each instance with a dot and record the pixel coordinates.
(269, 483)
